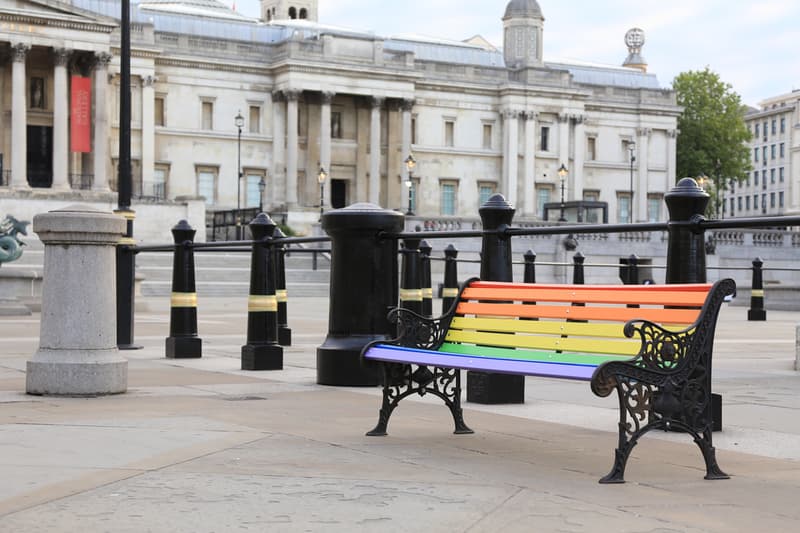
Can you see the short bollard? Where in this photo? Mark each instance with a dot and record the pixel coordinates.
(757, 311)
(411, 286)
(450, 287)
(425, 278)
(284, 331)
(529, 274)
(183, 342)
(262, 351)
(577, 272)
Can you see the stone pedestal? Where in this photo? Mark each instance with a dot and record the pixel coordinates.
(78, 353)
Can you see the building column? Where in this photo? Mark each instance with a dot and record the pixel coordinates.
(291, 147)
(511, 155)
(325, 141)
(101, 126)
(529, 186)
(405, 107)
(60, 120)
(19, 118)
(576, 192)
(642, 150)
(563, 140)
(672, 151)
(375, 151)
(148, 130)
(278, 174)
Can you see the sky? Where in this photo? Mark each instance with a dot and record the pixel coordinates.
(752, 45)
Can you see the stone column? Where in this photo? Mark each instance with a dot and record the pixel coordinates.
(511, 155)
(375, 151)
(60, 120)
(148, 130)
(325, 141)
(563, 140)
(640, 192)
(78, 352)
(672, 150)
(405, 107)
(576, 172)
(19, 117)
(101, 126)
(292, 147)
(277, 195)
(529, 186)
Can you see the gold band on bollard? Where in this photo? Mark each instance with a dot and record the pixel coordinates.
(183, 299)
(411, 295)
(258, 303)
(427, 292)
(282, 296)
(127, 241)
(449, 292)
(757, 293)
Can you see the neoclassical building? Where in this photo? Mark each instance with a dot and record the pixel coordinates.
(310, 96)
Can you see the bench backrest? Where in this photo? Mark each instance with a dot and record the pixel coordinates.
(578, 324)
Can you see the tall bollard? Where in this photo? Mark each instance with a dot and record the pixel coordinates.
(78, 354)
(496, 265)
(262, 351)
(757, 311)
(450, 287)
(364, 287)
(284, 332)
(577, 269)
(411, 284)
(686, 249)
(529, 274)
(183, 342)
(425, 278)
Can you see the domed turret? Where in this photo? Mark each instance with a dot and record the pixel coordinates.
(523, 8)
(523, 26)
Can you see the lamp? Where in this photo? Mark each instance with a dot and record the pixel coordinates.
(410, 164)
(321, 177)
(562, 174)
(238, 120)
(631, 148)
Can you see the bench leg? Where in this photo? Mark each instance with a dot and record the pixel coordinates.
(395, 377)
(713, 471)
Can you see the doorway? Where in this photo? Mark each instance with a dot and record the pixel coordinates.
(338, 193)
(40, 156)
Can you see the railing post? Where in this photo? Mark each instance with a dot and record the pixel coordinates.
(183, 342)
(529, 275)
(411, 284)
(284, 331)
(364, 287)
(496, 265)
(686, 250)
(577, 269)
(425, 278)
(262, 351)
(450, 287)
(757, 311)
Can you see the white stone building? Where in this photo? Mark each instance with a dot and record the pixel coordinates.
(477, 119)
(771, 188)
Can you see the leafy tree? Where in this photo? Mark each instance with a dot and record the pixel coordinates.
(712, 133)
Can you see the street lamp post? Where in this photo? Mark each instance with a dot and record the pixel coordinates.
(262, 186)
(321, 177)
(632, 157)
(719, 192)
(239, 121)
(562, 174)
(410, 164)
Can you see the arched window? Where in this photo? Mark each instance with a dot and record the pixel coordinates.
(303, 13)
(269, 15)
(292, 13)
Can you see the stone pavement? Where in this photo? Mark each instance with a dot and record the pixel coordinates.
(201, 446)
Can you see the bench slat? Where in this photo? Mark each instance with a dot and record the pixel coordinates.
(552, 327)
(680, 287)
(589, 359)
(611, 296)
(546, 342)
(615, 314)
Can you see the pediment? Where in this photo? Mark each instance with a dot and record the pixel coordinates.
(23, 11)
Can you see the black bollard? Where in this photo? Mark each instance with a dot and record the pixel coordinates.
(183, 342)
(577, 269)
(262, 351)
(686, 248)
(529, 275)
(364, 287)
(279, 251)
(757, 311)
(425, 278)
(450, 287)
(410, 275)
(496, 265)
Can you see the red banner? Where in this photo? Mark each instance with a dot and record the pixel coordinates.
(81, 111)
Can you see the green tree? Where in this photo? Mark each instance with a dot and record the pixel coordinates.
(712, 133)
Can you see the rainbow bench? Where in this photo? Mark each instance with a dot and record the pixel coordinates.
(652, 343)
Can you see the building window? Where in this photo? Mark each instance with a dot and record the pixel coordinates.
(773, 151)
(485, 191)
(774, 126)
(544, 139)
(772, 176)
(763, 179)
(755, 177)
(158, 110)
(292, 13)
(303, 13)
(447, 197)
(755, 154)
(413, 130)
(543, 194)
(780, 199)
(757, 130)
(654, 202)
(733, 205)
(783, 125)
(764, 155)
(780, 174)
(623, 207)
(747, 203)
(252, 192)
(336, 124)
(37, 100)
(207, 184)
(783, 150)
(765, 130)
(158, 189)
(487, 136)
(255, 119)
(412, 193)
(208, 116)
(591, 149)
(449, 133)
(740, 203)
(772, 199)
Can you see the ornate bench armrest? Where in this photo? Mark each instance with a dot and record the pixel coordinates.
(417, 331)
